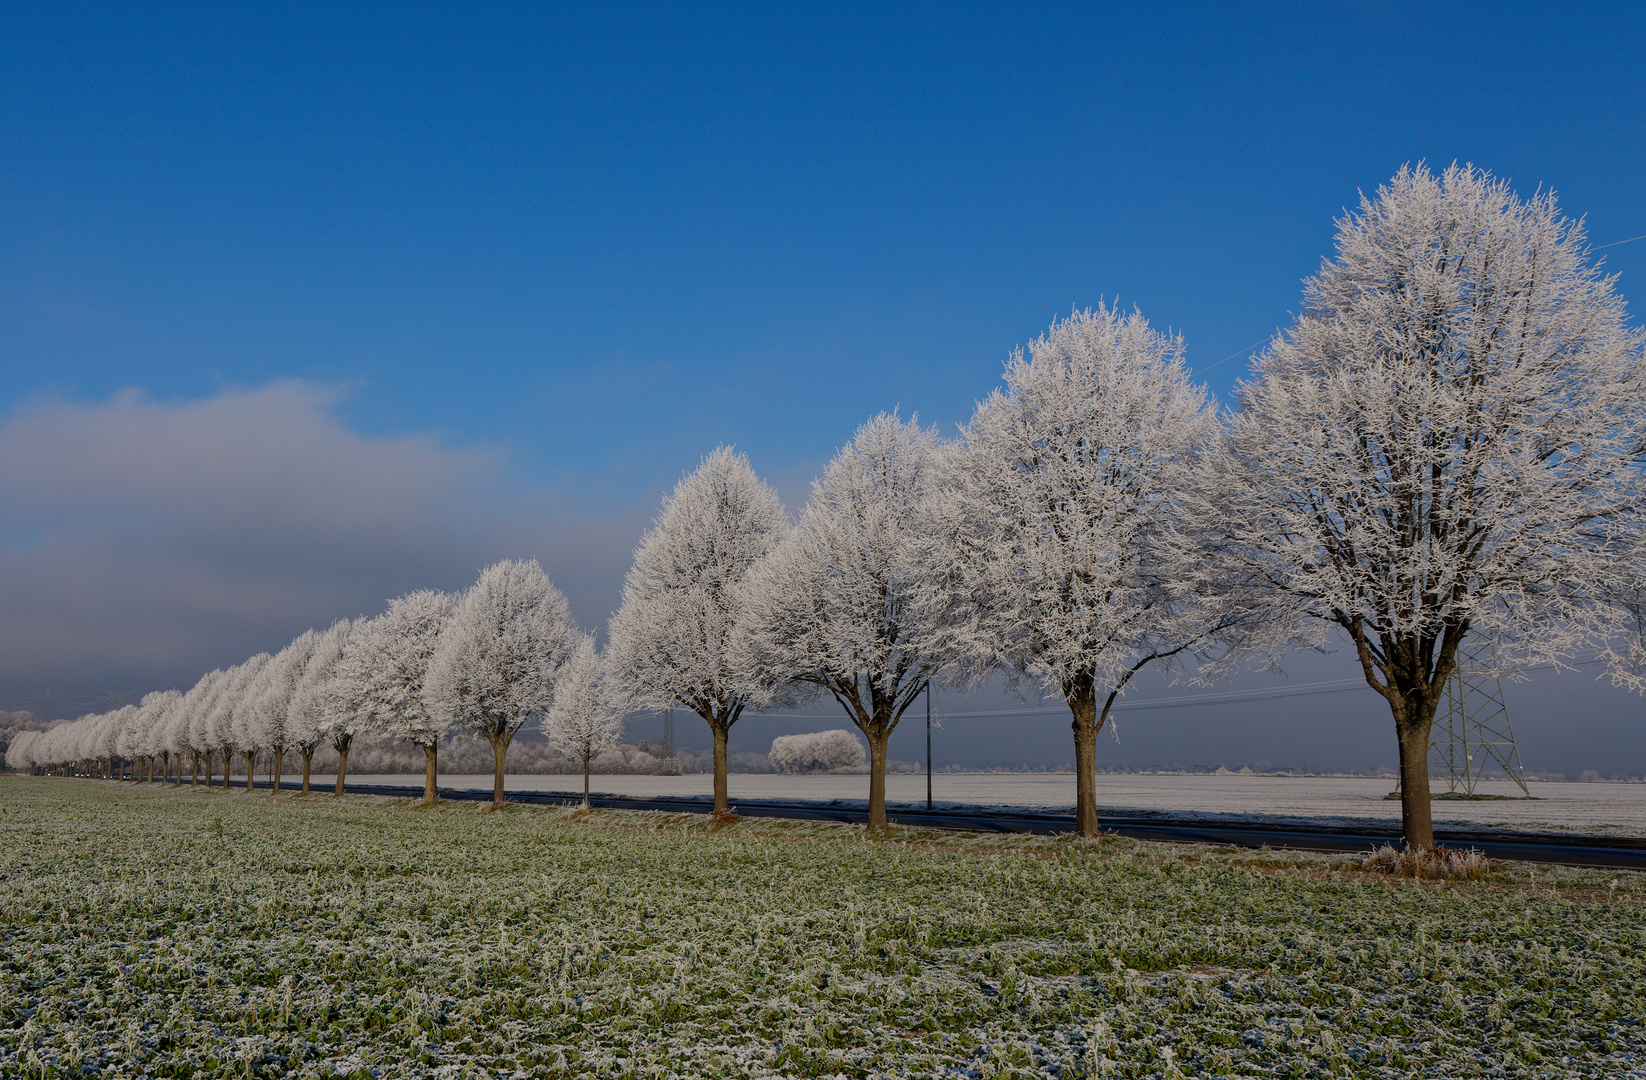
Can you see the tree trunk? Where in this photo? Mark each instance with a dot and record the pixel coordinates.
(194, 768)
(1080, 693)
(308, 760)
(342, 768)
(1085, 768)
(228, 762)
(722, 733)
(1416, 820)
(586, 757)
(279, 763)
(210, 761)
(877, 779)
(430, 770)
(251, 768)
(500, 753)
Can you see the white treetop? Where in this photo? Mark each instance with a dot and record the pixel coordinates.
(1447, 441)
(671, 641)
(585, 717)
(1075, 558)
(501, 654)
(840, 605)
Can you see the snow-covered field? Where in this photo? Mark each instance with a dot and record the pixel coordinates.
(1601, 809)
(160, 932)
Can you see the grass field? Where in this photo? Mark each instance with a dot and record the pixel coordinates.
(157, 933)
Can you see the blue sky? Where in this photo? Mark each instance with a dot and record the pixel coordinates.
(571, 250)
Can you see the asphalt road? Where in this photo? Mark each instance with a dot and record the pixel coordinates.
(1607, 852)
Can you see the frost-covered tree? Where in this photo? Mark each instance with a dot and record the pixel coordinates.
(199, 700)
(1447, 441)
(585, 717)
(21, 750)
(385, 667)
(180, 735)
(840, 605)
(238, 718)
(313, 716)
(1073, 557)
(670, 642)
(819, 751)
(128, 739)
(162, 709)
(146, 724)
(269, 697)
(13, 724)
(105, 744)
(500, 656)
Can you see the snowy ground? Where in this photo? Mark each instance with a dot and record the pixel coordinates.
(1601, 809)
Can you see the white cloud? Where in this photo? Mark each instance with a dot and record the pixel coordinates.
(144, 541)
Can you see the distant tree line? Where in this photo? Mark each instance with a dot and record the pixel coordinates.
(1447, 440)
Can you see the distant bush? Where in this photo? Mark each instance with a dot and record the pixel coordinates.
(820, 751)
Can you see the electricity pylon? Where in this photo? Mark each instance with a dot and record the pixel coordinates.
(670, 765)
(1476, 731)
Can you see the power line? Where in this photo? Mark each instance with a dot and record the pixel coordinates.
(1231, 356)
(1615, 243)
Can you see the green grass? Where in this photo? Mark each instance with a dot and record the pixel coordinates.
(149, 932)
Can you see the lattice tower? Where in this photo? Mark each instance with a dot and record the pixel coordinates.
(1474, 732)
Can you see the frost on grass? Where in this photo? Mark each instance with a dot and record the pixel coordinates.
(167, 933)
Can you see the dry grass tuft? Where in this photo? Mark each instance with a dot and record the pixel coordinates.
(1434, 863)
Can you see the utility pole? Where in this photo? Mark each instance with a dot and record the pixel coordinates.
(928, 745)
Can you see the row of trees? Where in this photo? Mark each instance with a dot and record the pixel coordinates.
(1448, 440)
(487, 661)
